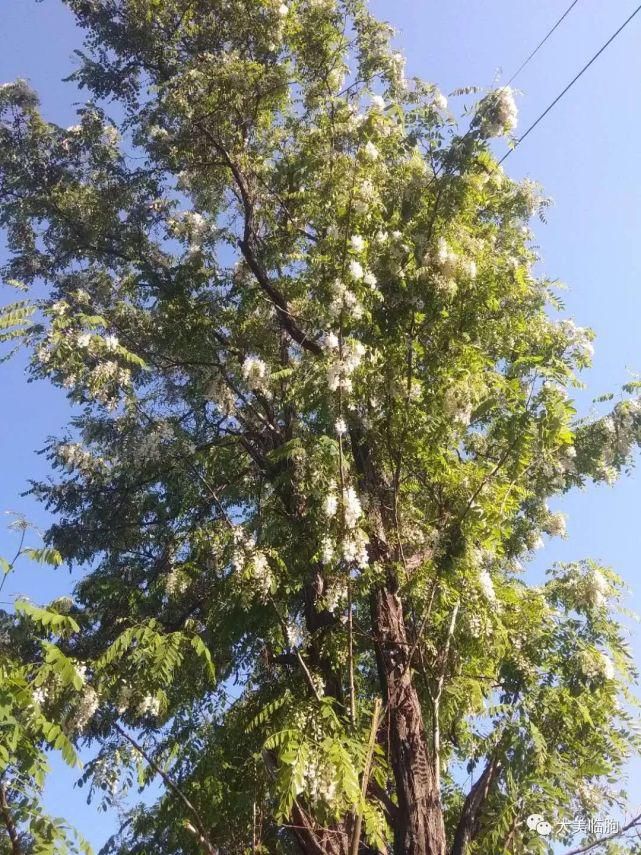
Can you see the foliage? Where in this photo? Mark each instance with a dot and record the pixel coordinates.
(323, 404)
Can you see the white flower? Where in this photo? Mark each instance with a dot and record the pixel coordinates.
(283, 10)
(370, 152)
(255, 372)
(607, 667)
(336, 594)
(487, 585)
(330, 341)
(352, 507)
(357, 243)
(111, 342)
(446, 259)
(85, 711)
(84, 339)
(354, 548)
(498, 113)
(440, 101)
(328, 550)
(369, 279)
(39, 696)
(469, 268)
(556, 525)
(378, 103)
(150, 705)
(381, 236)
(331, 501)
(341, 427)
(356, 270)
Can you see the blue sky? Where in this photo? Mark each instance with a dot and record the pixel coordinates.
(585, 154)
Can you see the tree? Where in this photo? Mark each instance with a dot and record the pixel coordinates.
(36, 684)
(322, 401)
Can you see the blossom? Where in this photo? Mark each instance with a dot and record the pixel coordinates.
(111, 342)
(370, 280)
(255, 372)
(85, 710)
(440, 101)
(295, 635)
(341, 427)
(331, 501)
(357, 243)
(487, 585)
(356, 270)
(555, 525)
(446, 259)
(351, 507)
(354, 548)
(149, 705)
(335, 594)
(378, 103)
(370, 151)
(607, 667)
(497, 113)
(84, 339)
(328, 550)
(330, 341)
(283, 10)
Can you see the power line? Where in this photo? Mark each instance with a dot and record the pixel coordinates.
(571, 83)
(528, 59)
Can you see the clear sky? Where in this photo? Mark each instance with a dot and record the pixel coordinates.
(586, 155)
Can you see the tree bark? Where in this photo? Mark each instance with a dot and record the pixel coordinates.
(10, 825)
(419, 828)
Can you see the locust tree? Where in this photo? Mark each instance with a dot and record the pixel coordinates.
(321, 403)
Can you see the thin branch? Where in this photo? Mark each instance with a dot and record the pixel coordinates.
(634, 823)
(356, 838)
(200, 825)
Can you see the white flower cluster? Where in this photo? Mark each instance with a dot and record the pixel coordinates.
(253, 563)
(335, 595)
(75, 457)
(352, 508)
(344, 300)
(175, 582)
(255, 373)
(320, 780)
(149, 705)
(340, 370)
(555, 525)
(497, 113)
(192, 226)
(105, 382)
(85, 710)
(579, 339)
(487, 585)
(594, 664)
(295, 635)
(353, 547)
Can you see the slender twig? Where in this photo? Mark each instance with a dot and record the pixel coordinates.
(173, 786)
(356, 838)
(634, 823)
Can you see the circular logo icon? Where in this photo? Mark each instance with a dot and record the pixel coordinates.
(533, 821)
(544, 828)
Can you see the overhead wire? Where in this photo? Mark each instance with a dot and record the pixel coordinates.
(574, 80)
(545, 38)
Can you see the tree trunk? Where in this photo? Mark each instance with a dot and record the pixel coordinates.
(419, 827)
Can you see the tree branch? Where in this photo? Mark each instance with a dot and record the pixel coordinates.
(10, 825)
(200, 825)
(634, 823)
